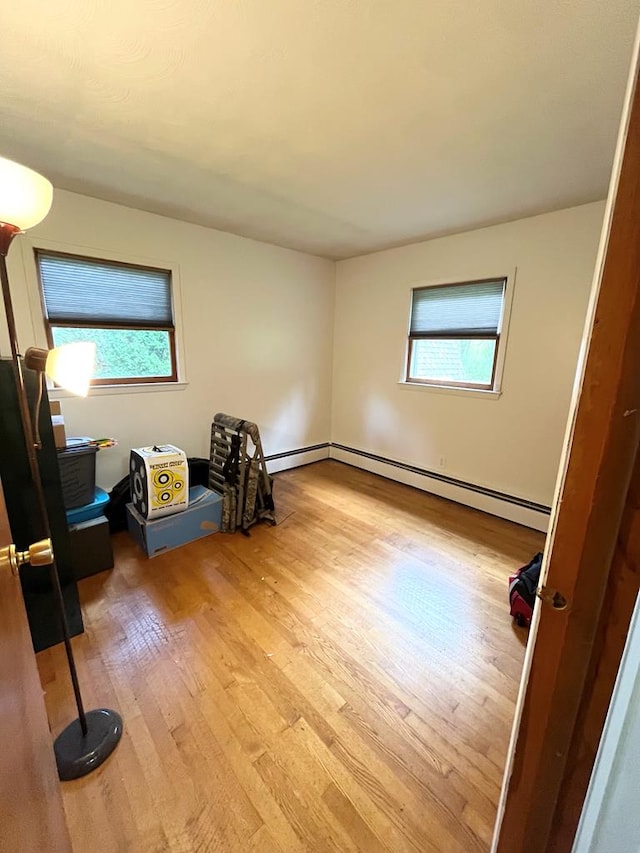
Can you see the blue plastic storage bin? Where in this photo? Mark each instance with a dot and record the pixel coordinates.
(88, 511)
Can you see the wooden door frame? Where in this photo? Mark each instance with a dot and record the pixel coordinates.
(575, 652)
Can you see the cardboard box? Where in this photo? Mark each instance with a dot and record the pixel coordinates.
(159, 480)
(59, 435)
(202, 517)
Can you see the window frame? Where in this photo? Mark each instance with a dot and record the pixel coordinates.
(115, 381)
(471, 388)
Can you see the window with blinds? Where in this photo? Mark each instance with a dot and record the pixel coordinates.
(454, 335)
(126, 310)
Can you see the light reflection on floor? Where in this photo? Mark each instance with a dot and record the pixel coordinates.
(415, 594)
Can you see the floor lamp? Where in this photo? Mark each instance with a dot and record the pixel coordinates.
(25, 200)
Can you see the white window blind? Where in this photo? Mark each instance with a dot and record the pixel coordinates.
(84, 291)
(465, 310)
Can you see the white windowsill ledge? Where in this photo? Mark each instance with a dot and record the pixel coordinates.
(106, 390)
(449, 389)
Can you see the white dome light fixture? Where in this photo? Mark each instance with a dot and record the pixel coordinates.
(25, 200)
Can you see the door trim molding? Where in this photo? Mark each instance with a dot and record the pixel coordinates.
(600, 451)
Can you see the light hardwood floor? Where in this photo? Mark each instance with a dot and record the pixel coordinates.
(344, 681)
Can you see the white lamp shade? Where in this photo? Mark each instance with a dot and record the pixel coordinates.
(25, 196)
(71, 366)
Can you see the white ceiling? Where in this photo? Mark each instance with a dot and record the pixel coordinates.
(332, 126)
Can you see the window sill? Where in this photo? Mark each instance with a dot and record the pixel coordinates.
(449, 389)
(107, 390)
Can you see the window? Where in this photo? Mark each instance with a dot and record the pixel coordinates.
(125, 310)
(454, 336)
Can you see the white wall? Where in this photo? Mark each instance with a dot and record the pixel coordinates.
(512, 443)
(257, 331)
(610, 821)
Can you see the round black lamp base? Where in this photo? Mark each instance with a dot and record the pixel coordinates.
(78, 754)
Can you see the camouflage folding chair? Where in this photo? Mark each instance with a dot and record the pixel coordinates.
(238, 471)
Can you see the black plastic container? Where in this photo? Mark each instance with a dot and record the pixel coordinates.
(77, 475)
(91, 547)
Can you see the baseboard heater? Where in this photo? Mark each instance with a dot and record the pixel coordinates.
(518, 503)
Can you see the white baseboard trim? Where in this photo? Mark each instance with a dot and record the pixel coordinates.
(504, 506)
(512, 508)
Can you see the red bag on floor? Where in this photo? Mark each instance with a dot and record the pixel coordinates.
(522, 591)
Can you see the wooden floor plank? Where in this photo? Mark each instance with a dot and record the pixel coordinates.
(344, 681)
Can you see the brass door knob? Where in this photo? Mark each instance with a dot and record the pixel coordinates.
(38, 554)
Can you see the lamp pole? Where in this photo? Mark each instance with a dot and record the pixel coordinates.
(25, 199)
(7, 233)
